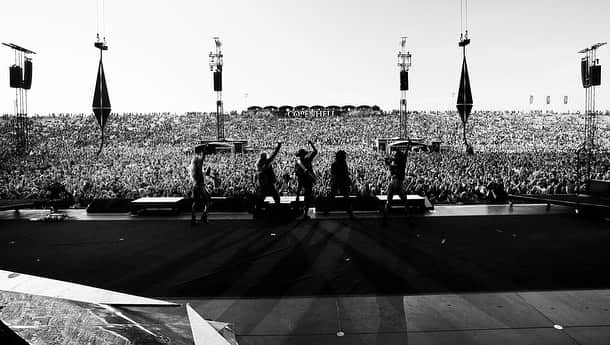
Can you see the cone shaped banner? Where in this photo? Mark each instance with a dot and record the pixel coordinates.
(101, 100)
(464, 101)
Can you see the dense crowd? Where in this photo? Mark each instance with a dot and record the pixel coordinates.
(149, 154)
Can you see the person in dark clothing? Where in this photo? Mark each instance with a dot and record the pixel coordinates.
(496, 191)
(58, 196)
(340, 180)
(397, 165)
(469, 150)
(305, 175)
(265, 178)
(200, 193)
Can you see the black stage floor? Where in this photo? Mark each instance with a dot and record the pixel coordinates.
(455, 249)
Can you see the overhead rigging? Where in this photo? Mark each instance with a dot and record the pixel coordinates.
(101, 100)
(464, 101)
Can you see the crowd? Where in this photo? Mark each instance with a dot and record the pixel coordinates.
(149, 154)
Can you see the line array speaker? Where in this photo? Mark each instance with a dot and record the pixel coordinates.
(584, 72)
(218, 81)
(16, 76)
(27, 74)
(596, 75)
(404, 80)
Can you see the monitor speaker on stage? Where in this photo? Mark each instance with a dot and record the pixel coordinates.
(16, 76)
(27, 74)
(218, 81)
(436, 146)
(404, 80)
(595, 75)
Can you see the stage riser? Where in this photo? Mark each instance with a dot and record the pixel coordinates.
(338, 204)
(109, 206)
(222, 204)
(600, 188)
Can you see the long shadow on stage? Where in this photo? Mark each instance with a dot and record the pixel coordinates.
(419, 255)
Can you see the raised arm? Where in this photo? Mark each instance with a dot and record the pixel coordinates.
(192, 171)
(275, 152)
(314, 151)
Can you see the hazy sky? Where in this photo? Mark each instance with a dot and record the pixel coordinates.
(302, 52)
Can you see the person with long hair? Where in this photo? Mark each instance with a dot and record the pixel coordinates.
(306, 176)
(201, 196)
(265, 179)
(340, 180)
(397, 165)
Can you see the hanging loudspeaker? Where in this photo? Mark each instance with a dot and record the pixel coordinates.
(584, 72)
(404, 80)
(565, 99)
(16, 76)
(218, 81)
(596, 75)
(531, 99)
(548, 99)
(27, 74)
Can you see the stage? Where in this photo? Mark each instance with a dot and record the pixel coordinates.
(438, 211)
(481, 274)
(452, 249)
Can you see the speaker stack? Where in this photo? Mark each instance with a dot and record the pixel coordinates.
(20, 79)
(591, 74)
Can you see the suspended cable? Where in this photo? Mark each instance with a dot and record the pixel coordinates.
(461, 16)
(97, 16)
(100, 9)
(466, 10)
(104, 19)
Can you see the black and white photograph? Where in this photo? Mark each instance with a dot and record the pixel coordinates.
(415, 172)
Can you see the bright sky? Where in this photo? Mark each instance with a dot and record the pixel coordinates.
(303, 52)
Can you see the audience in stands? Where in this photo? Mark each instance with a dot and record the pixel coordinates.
(148, 155)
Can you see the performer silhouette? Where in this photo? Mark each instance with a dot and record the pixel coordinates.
(340, 180)
(265, 178)
(200, 193)
(397, 165)
(305, 175)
